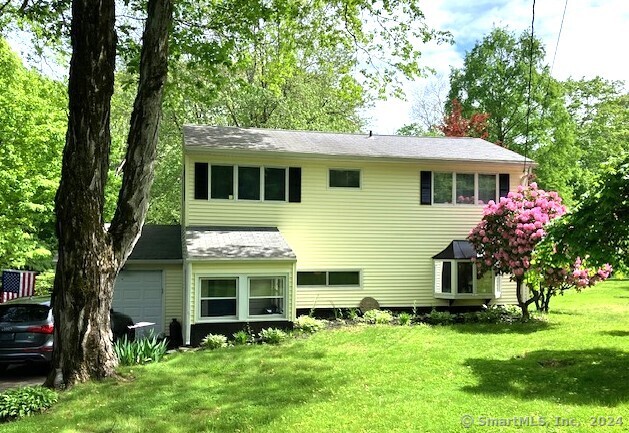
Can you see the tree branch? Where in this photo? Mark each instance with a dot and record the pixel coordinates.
(133, 199)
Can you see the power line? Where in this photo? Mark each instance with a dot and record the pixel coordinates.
(528, 96)
(552, 65)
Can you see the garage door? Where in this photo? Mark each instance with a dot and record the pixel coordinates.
(139, 294)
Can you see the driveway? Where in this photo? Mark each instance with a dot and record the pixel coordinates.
(22, 375)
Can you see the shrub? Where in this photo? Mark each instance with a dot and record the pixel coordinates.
(379, 317)
(309, 324)
(404, 318)
(140, 351)
(272, 335)
(242, 337)
(439, 317)
(352, 314)
(214, 341)
(19, 402)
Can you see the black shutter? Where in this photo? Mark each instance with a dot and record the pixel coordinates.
(503, 185)
(294, 184)
(426, 187)
(200, 180)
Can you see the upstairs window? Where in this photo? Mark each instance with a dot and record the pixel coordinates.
(232, 182)
(249, 183)
(275, 184)
(222, 181)
(442, 192)
(462, 188)
(486, 188)
(344, 178)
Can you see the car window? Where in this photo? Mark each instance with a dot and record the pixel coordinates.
(23, 313)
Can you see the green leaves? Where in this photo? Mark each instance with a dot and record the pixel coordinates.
(32, 134)
(25, 401)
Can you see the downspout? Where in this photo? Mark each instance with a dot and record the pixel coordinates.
(186, 306)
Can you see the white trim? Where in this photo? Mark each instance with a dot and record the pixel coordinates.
(242, 297)
(327, 285)
(454, 293)
(454, 188)
(187, 325)
(345, 188)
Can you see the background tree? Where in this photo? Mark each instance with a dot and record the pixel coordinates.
(455, 125)
(597, 229)
(33, 119)
(600, 110)
(509, 232)
(428, 108)
(495, 80)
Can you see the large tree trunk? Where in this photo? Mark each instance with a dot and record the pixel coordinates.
(89, 255)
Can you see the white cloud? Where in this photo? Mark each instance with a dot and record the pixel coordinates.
(593, 41)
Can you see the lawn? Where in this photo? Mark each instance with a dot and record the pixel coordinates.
(571, 369)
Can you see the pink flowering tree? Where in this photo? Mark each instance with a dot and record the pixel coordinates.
(553, 272)
(508, 240)
(509, 232)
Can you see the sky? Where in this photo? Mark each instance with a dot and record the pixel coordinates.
(593, 42)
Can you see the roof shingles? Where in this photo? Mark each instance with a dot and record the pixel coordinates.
(236, 243)
(200, 137)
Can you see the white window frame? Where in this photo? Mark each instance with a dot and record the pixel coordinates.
(454, 294)
(348, 188)
(242, 297)
(284, 298)
(234, 195)
(262, 184)
(327, 285)
(201, 298)
(454, 192)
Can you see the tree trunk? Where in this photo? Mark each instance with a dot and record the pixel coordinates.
(522, 303)
(89, 255)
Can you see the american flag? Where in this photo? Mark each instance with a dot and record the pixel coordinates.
(16, 284)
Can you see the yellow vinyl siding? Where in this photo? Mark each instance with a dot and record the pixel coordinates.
(249, 268)
(380, 229)
(173, 293)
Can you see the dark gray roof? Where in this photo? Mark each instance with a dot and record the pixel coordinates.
(198, 137)
(236, 243)
(457, 250)
(158, 242)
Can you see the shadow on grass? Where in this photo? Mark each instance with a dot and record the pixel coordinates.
(616, 333)
(593, 376)
(529, 327)
(233, 389)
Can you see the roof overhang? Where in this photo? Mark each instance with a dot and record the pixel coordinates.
(236, 243)
(457, 250)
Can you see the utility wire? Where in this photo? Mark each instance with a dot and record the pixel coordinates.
(528, 96)
(552, 65)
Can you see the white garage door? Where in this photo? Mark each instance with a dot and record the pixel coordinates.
(139, 294)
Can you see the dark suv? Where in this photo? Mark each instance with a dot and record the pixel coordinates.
(26, 327)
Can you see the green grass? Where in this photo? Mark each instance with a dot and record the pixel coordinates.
(573, 365)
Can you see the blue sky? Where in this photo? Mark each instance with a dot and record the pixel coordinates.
(593, 42)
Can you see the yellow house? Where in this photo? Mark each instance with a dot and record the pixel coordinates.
(355, 216)
(278, 221)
